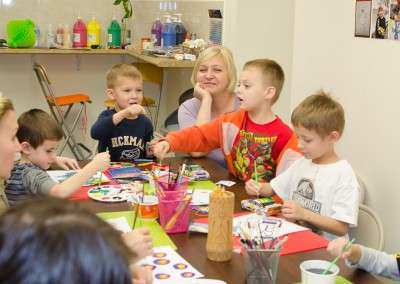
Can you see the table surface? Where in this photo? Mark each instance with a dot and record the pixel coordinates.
(191, 246)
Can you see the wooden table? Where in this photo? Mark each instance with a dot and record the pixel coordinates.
(191, 246)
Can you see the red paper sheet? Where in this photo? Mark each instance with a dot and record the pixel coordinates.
(297, 242)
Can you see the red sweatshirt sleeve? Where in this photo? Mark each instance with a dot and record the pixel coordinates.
(203, 138)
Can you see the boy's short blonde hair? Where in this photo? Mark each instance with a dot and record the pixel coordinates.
(320, 113)
(35, 126)
(5, 105)
(122, 70)
(227, 58)
(272, 72)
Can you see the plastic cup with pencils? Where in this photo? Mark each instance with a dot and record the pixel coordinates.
(174, 214)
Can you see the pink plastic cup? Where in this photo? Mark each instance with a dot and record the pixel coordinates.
(180, 185)
(167, 209)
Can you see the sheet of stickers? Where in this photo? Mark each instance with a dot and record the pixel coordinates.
(169, 267)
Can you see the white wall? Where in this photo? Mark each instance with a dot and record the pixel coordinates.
(262, 29)
(363, 74)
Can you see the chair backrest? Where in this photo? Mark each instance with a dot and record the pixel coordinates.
(150, 72)
(369, 231)
(47, 89)
(362, 189)
(172, 119)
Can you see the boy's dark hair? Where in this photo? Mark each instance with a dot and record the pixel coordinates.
(35, 126)
(321, 113)
(50, 240)
(272, 72)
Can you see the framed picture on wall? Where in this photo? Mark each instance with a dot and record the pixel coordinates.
(394, 20)
(363, 18)
(379, 19)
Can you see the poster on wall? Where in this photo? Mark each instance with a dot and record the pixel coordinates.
(363, 18)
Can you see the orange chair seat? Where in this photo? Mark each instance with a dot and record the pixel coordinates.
(71, 99)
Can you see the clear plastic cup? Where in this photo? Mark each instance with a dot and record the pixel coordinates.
(261, 265)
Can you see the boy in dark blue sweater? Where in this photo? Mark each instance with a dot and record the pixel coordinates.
(124, 130)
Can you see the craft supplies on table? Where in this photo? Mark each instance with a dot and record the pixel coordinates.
(112, 193)
(62, 175)
(169, 267)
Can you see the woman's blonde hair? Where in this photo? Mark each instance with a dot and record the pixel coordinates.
(227, 58)
(5, 105)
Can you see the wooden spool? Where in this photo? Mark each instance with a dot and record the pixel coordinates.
(220, 218)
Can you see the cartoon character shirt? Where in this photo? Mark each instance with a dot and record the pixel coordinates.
(125, 141)
(257, 148)
(329, 189)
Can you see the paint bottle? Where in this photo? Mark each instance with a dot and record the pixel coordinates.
(79, 33)
(179, 29)
(60, 35)
(93, 33)
(168, 33)
(114, 34)
(38, 36)
(156, 32)
(67, 37)
(51, 37)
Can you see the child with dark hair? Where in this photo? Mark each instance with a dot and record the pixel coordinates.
(39, 135)
(49, 240)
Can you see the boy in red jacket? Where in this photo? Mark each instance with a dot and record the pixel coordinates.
(255, 142)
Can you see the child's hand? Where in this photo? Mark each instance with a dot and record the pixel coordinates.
(139, 241)
(102, 161)
(252, 187)
(335, 248)
(161, 149)
(67, 163)
(135, 110)
(141, 275)
(200, 93)
(293, 211)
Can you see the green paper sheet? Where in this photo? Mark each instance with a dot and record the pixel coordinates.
(201, 184)
(160, 238)
(342, 280)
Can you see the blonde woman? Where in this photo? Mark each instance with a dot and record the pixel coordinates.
(9, 145)
(214, 78)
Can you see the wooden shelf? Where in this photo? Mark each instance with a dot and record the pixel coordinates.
(157, 61)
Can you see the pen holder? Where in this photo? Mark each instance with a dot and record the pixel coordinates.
(168, 183)
(220, 218)
(174, 215)
(261, 265)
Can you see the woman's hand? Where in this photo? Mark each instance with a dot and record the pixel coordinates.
(201, 93)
